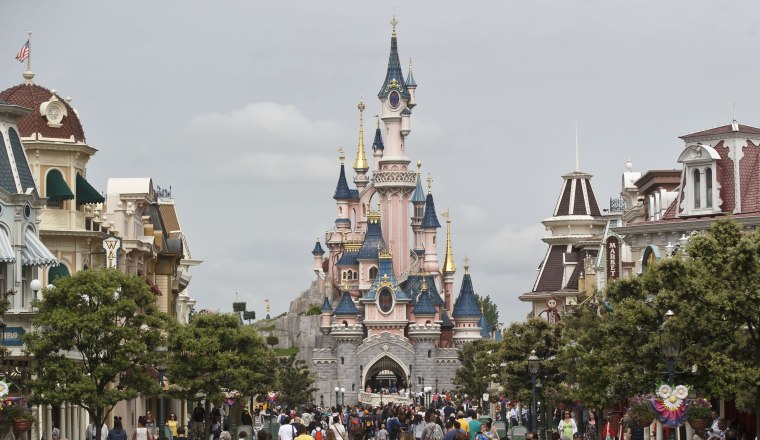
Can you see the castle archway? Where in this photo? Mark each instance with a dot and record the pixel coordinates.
(386, 373)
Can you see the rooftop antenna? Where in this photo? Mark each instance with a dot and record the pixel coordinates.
(577, 159)
(734, 124)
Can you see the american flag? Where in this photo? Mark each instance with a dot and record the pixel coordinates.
(23, 53)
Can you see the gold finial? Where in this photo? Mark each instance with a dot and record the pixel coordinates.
(466, 265)
(360, 164)
(378, 120)
(448, 262)
(345, 284)
(394, 22)
(410, 63)
(267, 303)
(419, 168)
(430, 182)
(341, 155)
(423, 287)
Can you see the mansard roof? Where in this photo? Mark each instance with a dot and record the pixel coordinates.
(551, 273)
(723, 129)
(348, 258)
(466, 306)
(346, 306)
(430, 219)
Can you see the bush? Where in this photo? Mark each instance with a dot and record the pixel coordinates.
(314, 310)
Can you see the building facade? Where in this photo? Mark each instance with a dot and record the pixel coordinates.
(388, 316)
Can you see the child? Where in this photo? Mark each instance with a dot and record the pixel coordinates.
(383, 433)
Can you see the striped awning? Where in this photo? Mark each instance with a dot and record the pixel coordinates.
(6, 250)
(35, 253)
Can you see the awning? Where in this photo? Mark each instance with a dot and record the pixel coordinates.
(56, 188)
(6, 250)
(86, 193)
(35, 253)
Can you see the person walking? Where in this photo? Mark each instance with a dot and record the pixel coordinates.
(141, 432)
(567, 427)
(592, 428)
(118, 432)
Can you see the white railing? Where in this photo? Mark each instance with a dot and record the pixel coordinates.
(412, 266)
(375, 399)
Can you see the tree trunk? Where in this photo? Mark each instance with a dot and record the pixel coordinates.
(757, 412)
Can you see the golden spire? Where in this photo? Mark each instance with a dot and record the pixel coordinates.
(419, 168)
(360, 164)
(448, 261)
(341, 155)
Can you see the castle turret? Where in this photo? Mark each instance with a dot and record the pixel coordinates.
(377, 146)
(318, 252)
(425, 331)
(347, 334)
(326, 316)
(449, 268)
(418, 203)
(411, 84)
(360, 163)
(343, 196)
(429, 225)
(466, 312)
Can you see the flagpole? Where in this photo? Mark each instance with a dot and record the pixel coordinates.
(29, 57)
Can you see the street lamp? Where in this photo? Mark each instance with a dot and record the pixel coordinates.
(35, 285)
(539, 386)
(161, 368)
(534, 366)
(502, 369)
(486, 402)
(343, 396)
(322, 400)
(428, 400)
(670, 346)
(337, 390)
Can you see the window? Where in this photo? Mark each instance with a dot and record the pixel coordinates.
(3, 270)
(26, 290)
(372, 273)
(342, 360)
(697, 188)
(708, 188)
(356, 275)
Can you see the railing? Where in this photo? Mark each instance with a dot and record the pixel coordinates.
(617, 204)
(405, 274)
(374, 399)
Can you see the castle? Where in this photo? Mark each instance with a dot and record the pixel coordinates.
(387, 317)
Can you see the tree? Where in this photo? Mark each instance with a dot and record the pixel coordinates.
(712, 287)
(94, 339)
(272, 341)
(478, 361)
(214, 352)
(294, 381)
(489, 310)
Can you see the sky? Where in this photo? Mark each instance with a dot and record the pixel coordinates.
(240, 107)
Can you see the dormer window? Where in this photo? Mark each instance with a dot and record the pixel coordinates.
(700, 194)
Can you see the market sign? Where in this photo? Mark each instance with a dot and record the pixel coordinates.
(112, 245)
(612, 251)
(12, 336)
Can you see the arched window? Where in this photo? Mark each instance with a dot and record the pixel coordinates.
(57, 272)
(708, 188)
(356, 275)
(697, 189)
(372, 273)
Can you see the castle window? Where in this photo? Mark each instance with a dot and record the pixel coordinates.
(372, 273)
(342, 360)
(356, 275)
(430, 352)
(345, 323)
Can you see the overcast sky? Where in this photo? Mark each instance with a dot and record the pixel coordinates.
(240, 106)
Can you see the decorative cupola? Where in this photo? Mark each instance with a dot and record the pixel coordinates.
(411, 84)
(429, 225)
(424, 307)
(449, 268)
(700, 193)
(346, 309)
(360, 163)
(466, 312)
(318, 252)
(342, 196)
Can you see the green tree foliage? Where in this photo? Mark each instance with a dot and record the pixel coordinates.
(214, 352)
(478, 362)
(272, 341)
(489, 309)
(712, 286)
(519, 340)
(94, 337)
(294, 381)
(314, 310)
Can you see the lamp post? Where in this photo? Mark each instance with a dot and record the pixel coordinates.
(534, 366)
(502, 369)
(539, 386)
(486, 402)
(35, 285)
(322, 400)
(343, 396)
(337, 390)
(670, 346)
(428, 400)
(436, 385)
(161, 368)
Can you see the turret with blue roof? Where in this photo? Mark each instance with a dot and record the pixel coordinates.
(466, 305)
(385, 278)
(318, 251)
(342, 191)
(373, 239)
(377, 144)
(326, 308)
(430, 219)
(394, 78)
(413, 287)
(424, 306)
(485, 328)
(346, 306)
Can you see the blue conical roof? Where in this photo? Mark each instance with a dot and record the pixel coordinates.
(430, 219)
(341, 190)
(466, 306)
(377, 144)
(485, 328)
(410, 82)
(373, 241)
(394, 78)
(445, 320)
(346, 306)
(326, 306)
(419, 195)
(318, 249)
(424, 306)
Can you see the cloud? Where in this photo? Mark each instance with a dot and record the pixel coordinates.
(514, 248)
(472, 215)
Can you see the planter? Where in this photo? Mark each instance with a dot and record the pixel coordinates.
(699, 425)
(22, 425)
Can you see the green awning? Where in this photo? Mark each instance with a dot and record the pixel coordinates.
(54, 273)
(56, 188)
(86, 193)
